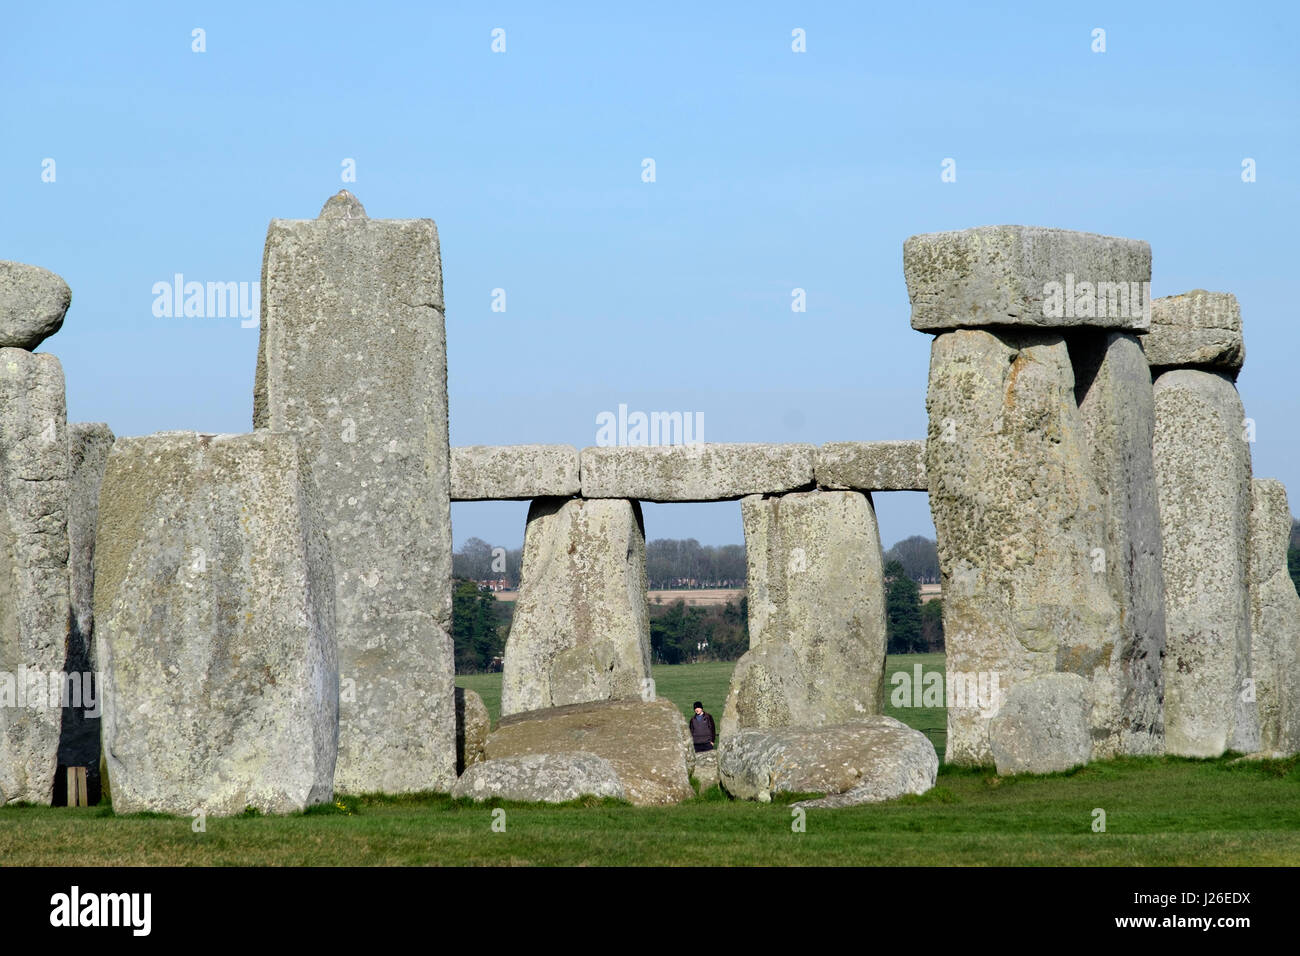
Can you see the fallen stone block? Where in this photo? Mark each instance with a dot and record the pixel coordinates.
(1026, 276)
(1274, 620)
(214, 616)
(863, 761)
(816, 613)
(34, 602)
(513, 472)
(1197, 328)
(540, 778)
(703, 472)
(1202, 467)
(871, 466)
(581, 627)
(473, 724)
(1043, 726)
(646, 742)
(33, 302)
(705, 770)
(352, 359)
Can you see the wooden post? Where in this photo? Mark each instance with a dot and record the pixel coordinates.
(77, 792)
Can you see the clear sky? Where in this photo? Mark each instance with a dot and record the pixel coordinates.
(774, 170)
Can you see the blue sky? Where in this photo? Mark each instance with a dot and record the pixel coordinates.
(775, 170)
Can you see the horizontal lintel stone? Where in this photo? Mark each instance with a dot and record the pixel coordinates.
(1197, 328)
(1027, 276)
(513, 472)
(699, 472)
(871, 466)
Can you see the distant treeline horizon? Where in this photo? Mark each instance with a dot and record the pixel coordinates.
(681, 563)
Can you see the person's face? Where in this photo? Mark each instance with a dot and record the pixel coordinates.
(699, 710)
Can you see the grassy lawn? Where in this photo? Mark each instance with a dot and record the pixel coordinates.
(1159, 811)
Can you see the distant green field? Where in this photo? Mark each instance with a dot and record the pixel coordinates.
(684, 684)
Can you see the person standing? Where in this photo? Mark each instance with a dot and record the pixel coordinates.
(703, 731)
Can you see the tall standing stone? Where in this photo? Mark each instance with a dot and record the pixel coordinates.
(1018, 511)
(88, 447)
(214, 606)
(34, 607)
(353, 360)
(581, 627)
(816, 613)
(1202, 463)
(1116, 401)
(1274, 620)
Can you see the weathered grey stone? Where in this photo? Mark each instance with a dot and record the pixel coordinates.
(1000, 276)
(33, 302)
(343, 205)
(871, 466)
(34, 608)
(706, 769)
(214, 622)
(703, 472)
(1116, 401)
(1196, 328)
(863, 761)
(472, 728)
(352, 359)
(88, 448)
(1274, 620)
(541, 778)
(1018, 518)
(513, 472)
(1202, 465)
(581, 627)
(816, 613)
(645, 743)
(1043, 726)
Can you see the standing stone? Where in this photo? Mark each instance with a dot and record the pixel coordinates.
(1018, 518)
(581, 627)
(353, 360)
(1202, 464)
(34, 607)
(1274, 620)
(1116, 401)
(473, 724)
(215, 618)
(816, 613)
(33, 302)
(88, 448)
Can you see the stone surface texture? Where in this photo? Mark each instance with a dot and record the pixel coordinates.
(645, 742)
(863, 761)
(352, 360)
(513, 472)
(871, 466)
(816, 613)
(703, 472)
(1197, 328)
(34, 602)
(541, 778)
(995, 276)
(1274, 620)
(1202, 466)
(214, 615)
(33, 302)
(581, 626)
(1043, 726)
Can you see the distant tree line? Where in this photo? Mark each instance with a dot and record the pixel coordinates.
(476, 561)
(910, 626)
(919, 557)
(681, 634)
(672, 564)
(479, 626)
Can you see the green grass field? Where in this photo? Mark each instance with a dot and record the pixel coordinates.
(1159, 811)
